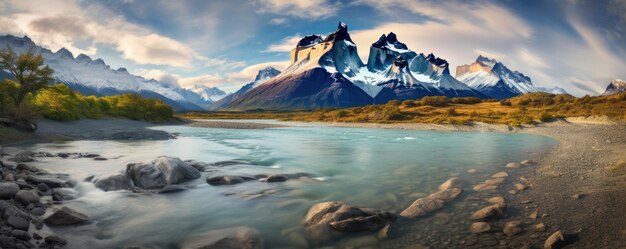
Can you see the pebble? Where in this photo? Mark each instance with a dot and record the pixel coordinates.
(500, 175)
(480, 227)
(540, 227)
(520, 186)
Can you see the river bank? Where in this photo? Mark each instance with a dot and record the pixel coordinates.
(577, 188)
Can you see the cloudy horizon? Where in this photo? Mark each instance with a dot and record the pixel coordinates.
(577, 45)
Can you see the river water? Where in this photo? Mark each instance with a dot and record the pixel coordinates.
(384, 169)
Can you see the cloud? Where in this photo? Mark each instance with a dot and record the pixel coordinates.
(63, 23)
(224, 63)
(586, 86)
(305, 9)
(249, 73)
(279, 21)
(228, 82)
(285, 45)
(531, 59)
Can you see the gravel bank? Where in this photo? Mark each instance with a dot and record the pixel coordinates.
(576, 188)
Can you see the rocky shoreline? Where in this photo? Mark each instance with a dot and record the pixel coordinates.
(571, 197)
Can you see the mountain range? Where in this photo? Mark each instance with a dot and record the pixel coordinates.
(327, 72)
(95, 77)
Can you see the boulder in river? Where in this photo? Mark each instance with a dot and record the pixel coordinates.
(229, 238)
(8, 190)
(116, 181)
(276, 178)
(65, 216)
(227, 180)
(327, 219)
(447, 192)
(161, 172)
(24, 156)
(492, 211)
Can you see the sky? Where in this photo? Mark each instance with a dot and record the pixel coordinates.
(577, 45)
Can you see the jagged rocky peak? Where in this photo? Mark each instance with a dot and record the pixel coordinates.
(83, 58)
(615, 87)
(310, 40)
(389, 41)
(442, 63)
(484, 61)
(122, 70)
(340, 35)
(66, 53)
(266, 73)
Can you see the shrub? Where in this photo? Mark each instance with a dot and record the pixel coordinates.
(545, 116)
(391, 113)
(437, 101)
(465, 100)
(59, 102)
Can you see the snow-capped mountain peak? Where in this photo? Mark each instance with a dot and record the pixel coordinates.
(95, 77)
(210, 94)
(615, 87)
(266, 73)
(494, 79)
(552, 90)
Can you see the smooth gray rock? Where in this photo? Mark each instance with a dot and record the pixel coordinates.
(27, 196)
(116, 181)
(8, 190)
(229, 238)
(65, 216)
(161, 172)
(49, 180)
(22, 235)
(18, 222)
(55, 240)
(24, 156)
(325, 220)
(226, 180)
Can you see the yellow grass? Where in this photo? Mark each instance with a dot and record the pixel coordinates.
(523, 109)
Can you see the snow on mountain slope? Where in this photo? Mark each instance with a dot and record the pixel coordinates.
(209, 94)
(553, 90)
(494, 79)
(335, 54)
(263, 75)
(95, 76)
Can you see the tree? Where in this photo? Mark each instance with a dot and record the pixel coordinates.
(29, 76)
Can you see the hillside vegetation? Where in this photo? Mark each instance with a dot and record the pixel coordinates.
(523, 109)
(60, 102)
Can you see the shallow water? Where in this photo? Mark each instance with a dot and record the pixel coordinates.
(385, 169)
